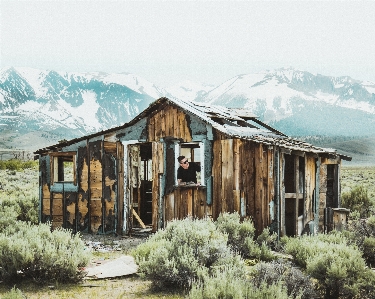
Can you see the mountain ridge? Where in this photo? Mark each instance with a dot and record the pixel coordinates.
(65, 105)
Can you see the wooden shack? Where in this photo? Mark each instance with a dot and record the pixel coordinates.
(114, 180)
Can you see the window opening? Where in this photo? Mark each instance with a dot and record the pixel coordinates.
(64, 168)
(194, 152)
(330, 186)
(289, 177)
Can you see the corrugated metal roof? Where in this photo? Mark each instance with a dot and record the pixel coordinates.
(240, 123)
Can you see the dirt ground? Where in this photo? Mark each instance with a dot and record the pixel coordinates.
(113, 243)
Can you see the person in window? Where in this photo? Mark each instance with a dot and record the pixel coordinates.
(187, 172)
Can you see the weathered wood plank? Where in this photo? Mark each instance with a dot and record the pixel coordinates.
(282, 195)
(216, 200)
(267, 190)
(200, 203)
(228, 177)
(183, 204)
(168, 122)
(258, 221)
(237, 182)
(82, 210)
(237, 201)
(162, 124)
(251, 179)
(138, 219)
(155, 186)
(57, 204)
(296, 206)
(120, 198)
(224, 181)
(175, 122)
(169, 207)
(151, 129)
(46, 207)
(190, 202)
(310, 187)
(95, 214)
(177, 203)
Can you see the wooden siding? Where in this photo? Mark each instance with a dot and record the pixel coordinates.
(119, 208)
(243, 176)
(310, 176)
(157, 171)
(169, 122)
(185, 202)
(88, 204)
(83, 189)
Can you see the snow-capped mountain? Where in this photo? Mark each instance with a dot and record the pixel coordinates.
(300, 103)
(70, 104)
(39, 107)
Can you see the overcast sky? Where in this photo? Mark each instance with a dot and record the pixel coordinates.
(204, 41)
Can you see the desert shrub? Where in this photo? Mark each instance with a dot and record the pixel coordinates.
(358, 201)
(14, 293)
(227, 285)
(293, 279)
(241, 237)
(362, 233)
(368, 250)
(304, 247)
(337, 265)
(23, 208)
(184, 251)
(17, 165)
(8, 216)
(268, 238)
(34, 251)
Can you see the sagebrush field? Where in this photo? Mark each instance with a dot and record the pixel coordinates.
(22, 184)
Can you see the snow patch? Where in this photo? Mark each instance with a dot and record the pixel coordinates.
(35, 78)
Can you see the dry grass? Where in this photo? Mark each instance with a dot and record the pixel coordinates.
(356, 176)
(127, 287)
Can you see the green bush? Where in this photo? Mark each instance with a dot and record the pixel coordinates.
(23, 209)
(337, 265)
(17, 165)
(8, 216)
(34, 251)
(226, 285)
(14, 293)
(362, 233)
(358, 201)
(183, 252)
(293, 279)
(369, 250)
(241, 237)
(304, 247)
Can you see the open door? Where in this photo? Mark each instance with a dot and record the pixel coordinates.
(140, 184)
(294, 174)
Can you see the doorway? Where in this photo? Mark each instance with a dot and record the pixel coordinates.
(140, 184)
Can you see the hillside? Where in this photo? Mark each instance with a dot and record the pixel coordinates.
(361, 149)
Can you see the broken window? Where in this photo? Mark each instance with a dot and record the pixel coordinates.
(64, 168)
(194, 152)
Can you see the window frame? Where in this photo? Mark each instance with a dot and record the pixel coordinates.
(177, 152)
(55, 162)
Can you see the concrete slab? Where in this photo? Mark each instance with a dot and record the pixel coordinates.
(122, 266)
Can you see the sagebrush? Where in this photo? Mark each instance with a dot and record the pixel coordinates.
(36, 252)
